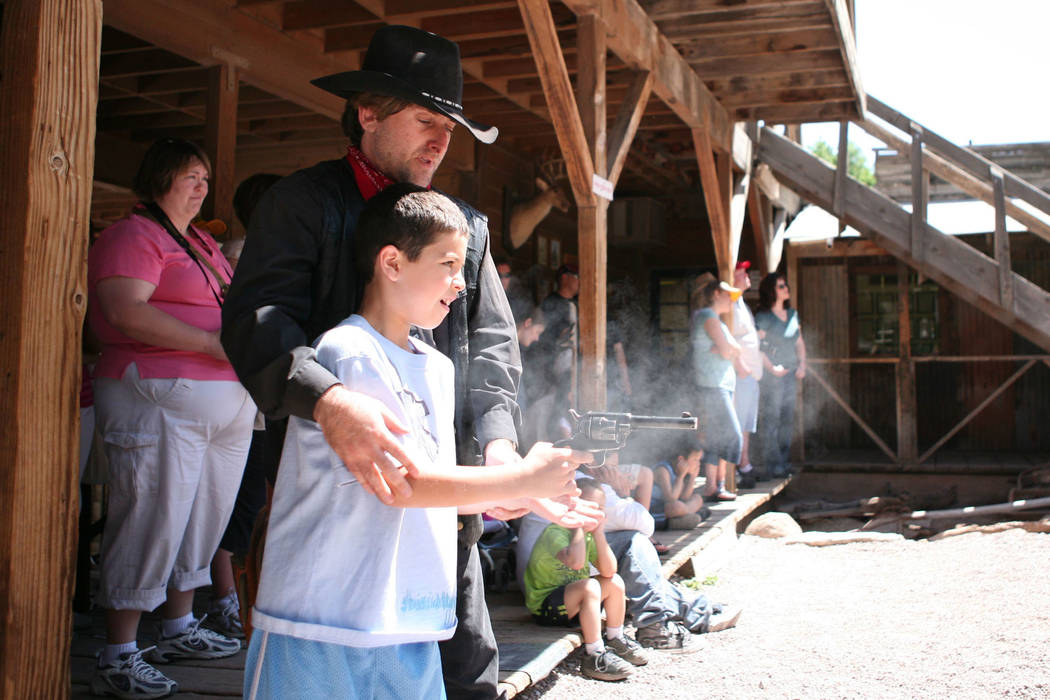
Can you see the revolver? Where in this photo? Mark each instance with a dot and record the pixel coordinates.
(600, 432)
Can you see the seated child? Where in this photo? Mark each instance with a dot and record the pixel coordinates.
(354, 594)
(559, 588)
(675, 498)
(627, 480)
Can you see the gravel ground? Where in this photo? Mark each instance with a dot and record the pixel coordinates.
(963, 617)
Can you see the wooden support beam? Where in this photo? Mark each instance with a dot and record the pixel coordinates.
(627, 120)
(554, 76)
(220, 141)
(49, 58)
(716, 196)
(1002, 243)
(760, 212)
(811, 371)
(907, 402)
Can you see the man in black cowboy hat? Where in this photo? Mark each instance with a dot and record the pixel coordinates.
(295, 280)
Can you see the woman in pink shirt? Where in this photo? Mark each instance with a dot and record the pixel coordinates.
(174, 419)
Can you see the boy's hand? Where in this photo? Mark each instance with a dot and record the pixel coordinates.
(548, 471)
(360, 430)
(598, 525)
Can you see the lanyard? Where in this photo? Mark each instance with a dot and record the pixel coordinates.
(161, 218)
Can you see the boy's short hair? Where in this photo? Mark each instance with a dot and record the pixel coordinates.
(588, 484)
(685, 445)
(406, 216)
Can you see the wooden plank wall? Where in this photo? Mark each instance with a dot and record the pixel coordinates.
(823, 305)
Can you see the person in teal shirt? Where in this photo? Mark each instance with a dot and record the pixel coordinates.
(714, 352)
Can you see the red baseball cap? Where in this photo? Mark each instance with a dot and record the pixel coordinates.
(743, 264)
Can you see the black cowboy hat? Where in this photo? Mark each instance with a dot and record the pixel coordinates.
(413, 65)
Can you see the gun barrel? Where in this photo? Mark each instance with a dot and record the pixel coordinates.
(664, 422)
(647, 422)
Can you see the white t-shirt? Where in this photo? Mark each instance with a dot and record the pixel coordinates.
(340, 566)
(745, 333)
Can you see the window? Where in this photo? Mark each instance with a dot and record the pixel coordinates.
(876, 326)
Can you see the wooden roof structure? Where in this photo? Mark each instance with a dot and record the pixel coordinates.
(638, 97)
(712, 62)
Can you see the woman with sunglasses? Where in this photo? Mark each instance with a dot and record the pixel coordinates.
(784, 361)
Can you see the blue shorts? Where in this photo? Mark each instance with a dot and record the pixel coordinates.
(279, 667)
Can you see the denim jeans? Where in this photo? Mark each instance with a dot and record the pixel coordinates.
(776, 423)
(651, 598)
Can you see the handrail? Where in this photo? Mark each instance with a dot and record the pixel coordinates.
(972, 161)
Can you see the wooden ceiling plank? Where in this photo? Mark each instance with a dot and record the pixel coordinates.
(182, 81)
(737, 100)
(195, 29)
(491, 23)
(550, 64)
(353, 38)
(316, 14)
(635, 39)
(685, 31)
(797, 114)
(843, 24)
(770, 64)
(752, 44)
(835, 77)
(684, 12)
(276, 125)
(674, 9)
(396, 10)
(142, 62)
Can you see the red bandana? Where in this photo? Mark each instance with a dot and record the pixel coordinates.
(369, 180)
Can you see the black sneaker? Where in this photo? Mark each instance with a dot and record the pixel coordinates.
(606, 666)
(666, 636)
(746, 480)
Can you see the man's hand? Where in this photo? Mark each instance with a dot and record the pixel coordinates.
(779, 370)
(501, 451)
(360, 430)
(800, 373)
(568, 512)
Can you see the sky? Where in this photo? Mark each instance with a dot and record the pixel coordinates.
(970, 70)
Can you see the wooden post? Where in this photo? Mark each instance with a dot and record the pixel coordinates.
(220, 141)
(907, 402)
(1002, 243)
(49, 93)
(919, 196)
(841, 175)
(592, 220)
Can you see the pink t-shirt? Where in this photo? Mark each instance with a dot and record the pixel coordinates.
(140, 248)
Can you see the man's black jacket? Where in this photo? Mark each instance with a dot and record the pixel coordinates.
(295, 280)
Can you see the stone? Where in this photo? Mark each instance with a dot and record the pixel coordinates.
(773, 526)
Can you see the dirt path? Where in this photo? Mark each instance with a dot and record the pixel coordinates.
(965, 617)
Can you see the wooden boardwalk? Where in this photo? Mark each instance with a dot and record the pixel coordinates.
(527, 652)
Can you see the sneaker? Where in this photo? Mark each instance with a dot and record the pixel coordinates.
(725, 618)
(683, 522)
(224, 617)
(667, 636)
(606, 666)
(195, 643)
(132, 678)
(628, 650)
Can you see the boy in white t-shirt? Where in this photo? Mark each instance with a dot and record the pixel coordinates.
(354, 594)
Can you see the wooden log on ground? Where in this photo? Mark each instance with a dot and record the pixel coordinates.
(968, 511)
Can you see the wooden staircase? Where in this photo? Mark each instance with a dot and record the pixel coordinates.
(987, 283)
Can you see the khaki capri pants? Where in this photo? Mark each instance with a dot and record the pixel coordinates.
(176, 450)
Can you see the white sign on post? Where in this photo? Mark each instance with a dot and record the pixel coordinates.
(601, 187)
